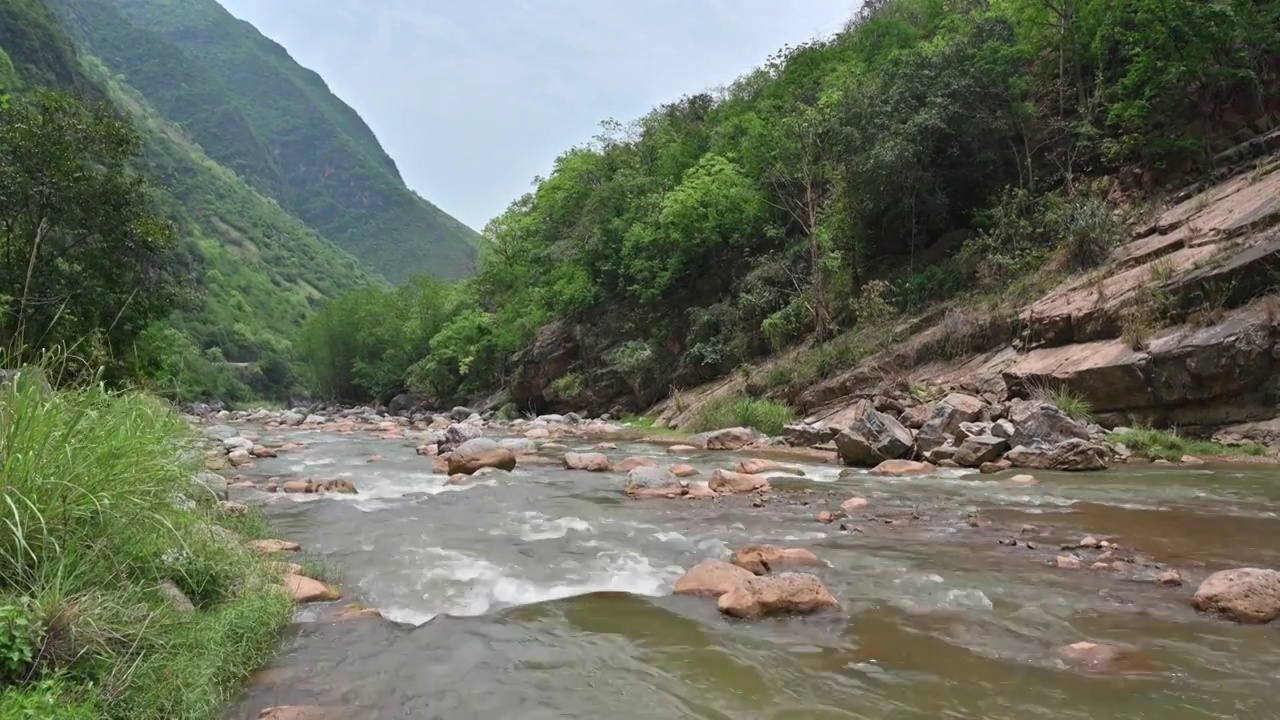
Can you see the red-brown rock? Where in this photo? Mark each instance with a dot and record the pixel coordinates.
(762, 559)
(711, 578)
(788, 593)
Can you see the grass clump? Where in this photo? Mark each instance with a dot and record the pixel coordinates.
(1169, 445)
(766, 416)
(98, 514)
(1068, 401)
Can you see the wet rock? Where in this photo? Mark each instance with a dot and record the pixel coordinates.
(681, 449)
(1097, 657)
(428, 450)
(1029, 530)
(606, 446)
(537, 434)
(296, 486)
(806, 435)
(700, 491)
(634, 462)
(652, 482)
(459, 433)
(220, 432)
(980, 449)
(734, 438)
(374, 459)
(711, 578)
(1068, 455)
(591, 462)
(1037, 422)
(1169, 578)
(948, 414)
(1191, 460)
(551, 447)
(901, 468)
(854, 504)
(755, 467)
(826, 517)
(354, 612)
(239, 458)
(306, 590)
(1022, 479)
(460, 413)
(297, 712)
(788, 593)
(1067, 562)
(274, 546)
(763, 559)
(729, 482)
(477, 453)
(991, 468)
(519, 446)
(292, 418)
(871, 438)
(1246, 595)
(942, 454)
(681, 470)
(341, 487)
(237, 442)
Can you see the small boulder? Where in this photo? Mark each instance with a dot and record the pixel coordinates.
(591, 462)
(763, 559)
(274, 546)
(652, 482)
(806, 435)
(826, 517)
(854, 504)
(477, 453)
(902, 468)
(305, 590)
(948, 414)
(711, 578)
(1067, 562)
(700, 491)
(1037, 422)
(991, 468)
(729, 482)
(1169, 578)
(297, 486)
(788, 593)
(754, 466)
(681, 470)
(460, 413)
(239, 458)
(1191, 460)
(1068, 455)
(458, 433)
(681, 449)
(1246, 595)
(734, 438)
(871, 438)
(1023, 479)
(634, 462)
(519, 446)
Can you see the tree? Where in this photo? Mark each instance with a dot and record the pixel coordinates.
(84, 260)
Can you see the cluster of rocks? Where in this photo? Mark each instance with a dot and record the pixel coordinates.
(962, 430)
(748, 587)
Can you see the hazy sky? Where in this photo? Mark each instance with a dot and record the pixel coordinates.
(474, 98)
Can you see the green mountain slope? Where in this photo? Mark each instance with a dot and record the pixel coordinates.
(258, 271)
(253, 109)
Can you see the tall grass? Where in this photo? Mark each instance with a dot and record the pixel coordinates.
(98, 511)
(1169, 445)
(766, 416)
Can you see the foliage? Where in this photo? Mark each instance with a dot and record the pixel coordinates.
(766, 416)
(275, 124)
(1065, 399)
(85, 259)
(1170, 445)
(99, 510)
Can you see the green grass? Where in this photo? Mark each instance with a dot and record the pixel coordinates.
(97, 511)
(1169, 445)
(766, 416)
(1069, 402)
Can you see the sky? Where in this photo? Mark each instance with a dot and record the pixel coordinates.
(473, 99)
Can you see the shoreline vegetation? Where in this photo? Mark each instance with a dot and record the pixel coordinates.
(127, 590)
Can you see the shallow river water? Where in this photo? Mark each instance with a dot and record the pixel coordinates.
(546, 594)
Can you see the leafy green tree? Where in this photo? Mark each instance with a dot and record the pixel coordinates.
(84, 258)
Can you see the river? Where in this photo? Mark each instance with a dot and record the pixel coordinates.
(547, 594)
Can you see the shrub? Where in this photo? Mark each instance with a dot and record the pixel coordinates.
(1085, 227)
(97, 511)
(766, 416)
(1065, 399)
(568, 387)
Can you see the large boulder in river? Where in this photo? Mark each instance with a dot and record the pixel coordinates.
(729, 482)
(872, 438)
(1038, 422)
(1068, 455)
(948, 414)
(788, 593)
(1247, 595)
(734, 438)
(711, 578)
(591, 462)
(763, 559)
(979, 449)
(478, 453)
(652, 482)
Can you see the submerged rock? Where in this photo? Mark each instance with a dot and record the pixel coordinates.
(711, 578)
(306, 590)
(1246, 595)
(727, 481)
(1097, 657)
(762, 559)
(478, 453)
(788, 593)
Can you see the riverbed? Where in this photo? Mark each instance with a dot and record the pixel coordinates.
(545, 593)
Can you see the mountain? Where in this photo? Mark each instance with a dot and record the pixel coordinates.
(253, 109)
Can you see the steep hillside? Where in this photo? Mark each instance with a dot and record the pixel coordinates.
(255, 271)
(256, 111)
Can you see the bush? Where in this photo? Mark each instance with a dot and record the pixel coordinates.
(766, 416)
(98, 511)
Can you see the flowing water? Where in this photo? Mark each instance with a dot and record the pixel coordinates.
(546, 594)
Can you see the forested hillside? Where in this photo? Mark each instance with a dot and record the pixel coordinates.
(254, 110)
(223, 284)
(936, 158)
